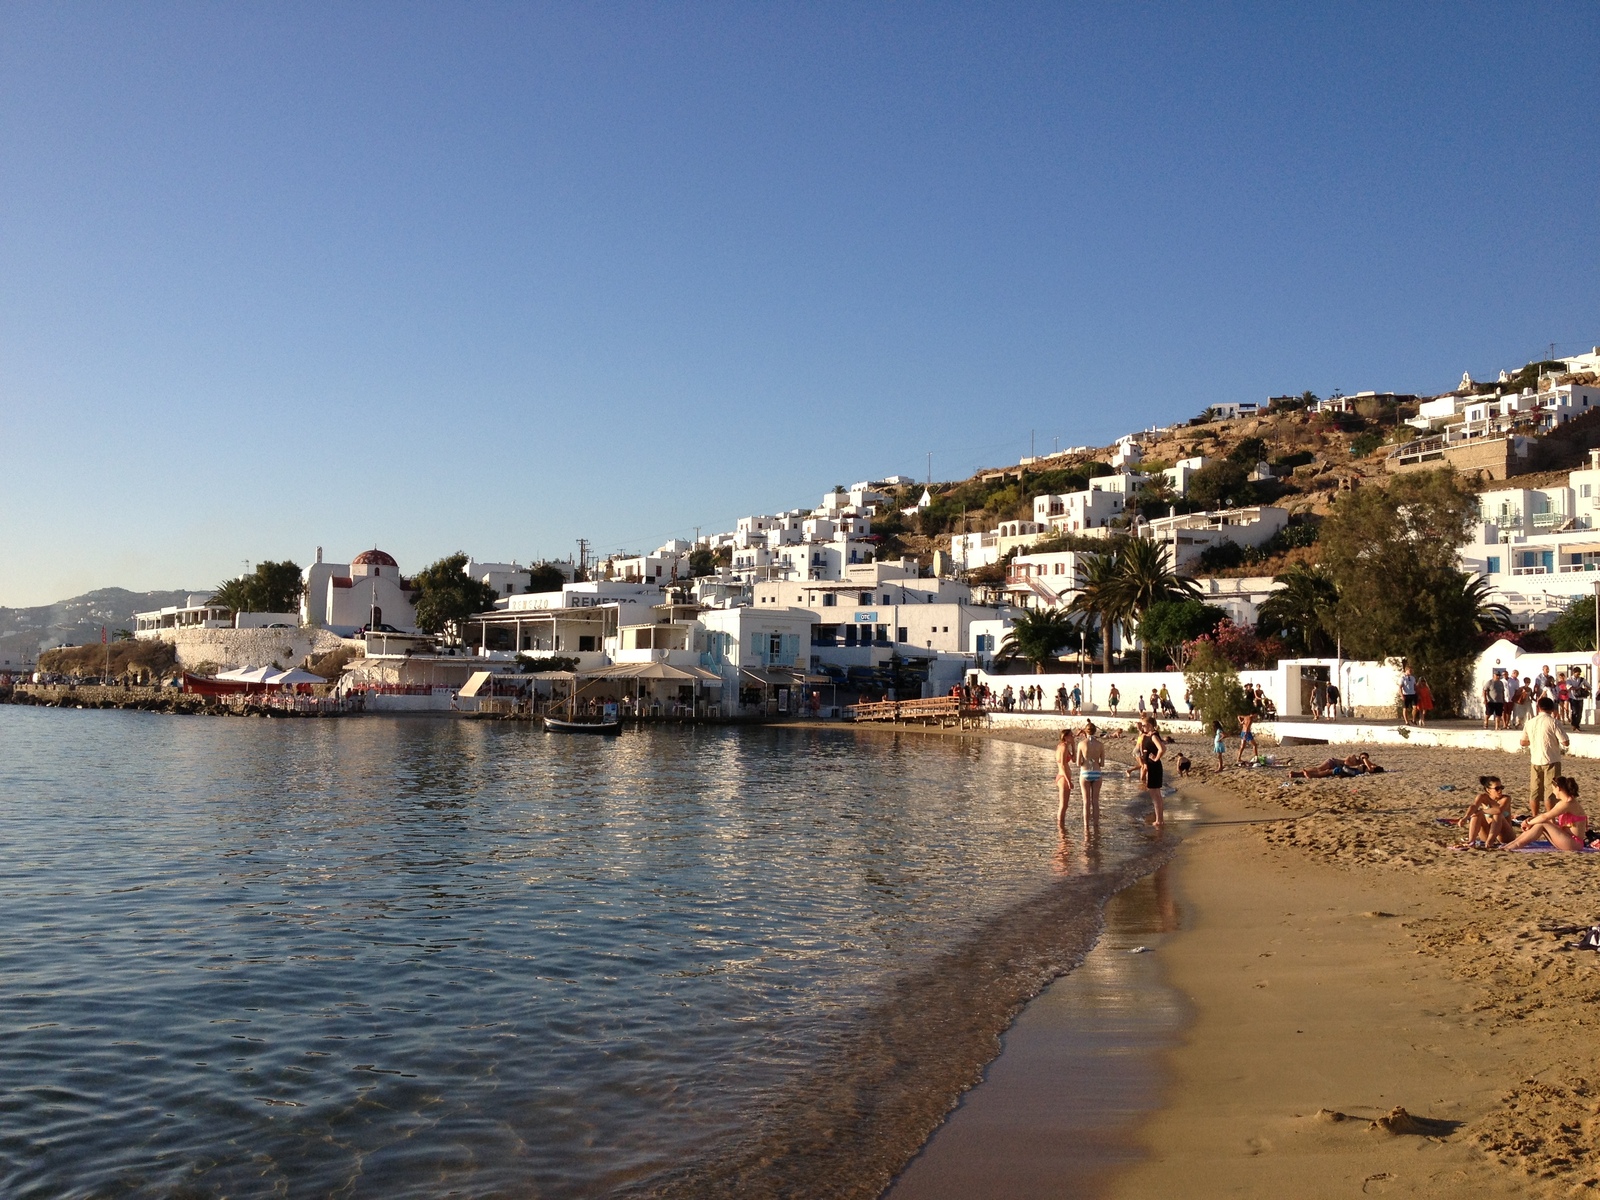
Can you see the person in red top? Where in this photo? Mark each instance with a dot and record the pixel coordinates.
(1424, 701)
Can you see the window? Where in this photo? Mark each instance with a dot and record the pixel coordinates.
(1585, 490)
(585, 643)
(775, 648)
(886, 598)
(900, 634)
(883, 634)
(866, 597)
(829, 600)
(849, 635)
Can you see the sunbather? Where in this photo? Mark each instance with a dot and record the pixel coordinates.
(1487, 821)
(1356, 764)
(1564, 824)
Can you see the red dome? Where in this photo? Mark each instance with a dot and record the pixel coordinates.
(373, 558)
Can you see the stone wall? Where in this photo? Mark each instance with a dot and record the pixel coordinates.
(229, 648)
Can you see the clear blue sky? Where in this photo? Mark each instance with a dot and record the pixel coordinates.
(495, 277)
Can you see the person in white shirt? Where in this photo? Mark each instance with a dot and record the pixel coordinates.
(1545, 742)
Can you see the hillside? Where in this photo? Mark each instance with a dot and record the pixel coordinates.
(1313, 456)
(26, 631)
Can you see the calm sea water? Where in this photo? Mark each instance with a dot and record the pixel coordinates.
(391, 957)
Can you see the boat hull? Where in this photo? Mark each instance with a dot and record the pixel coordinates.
(554, 725)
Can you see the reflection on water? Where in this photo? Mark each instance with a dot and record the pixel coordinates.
(389, 957)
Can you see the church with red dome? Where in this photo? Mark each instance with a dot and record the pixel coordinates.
(368, 592)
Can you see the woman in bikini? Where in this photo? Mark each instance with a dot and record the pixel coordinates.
(1091, 769)
(1150, 750)
(1487, 820)
(1066, 751)
(1564, 824)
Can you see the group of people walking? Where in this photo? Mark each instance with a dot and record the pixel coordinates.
(1509, 699)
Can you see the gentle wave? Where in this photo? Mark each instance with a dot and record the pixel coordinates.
(415, 957)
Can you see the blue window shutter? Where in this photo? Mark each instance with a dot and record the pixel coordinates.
(756, 654)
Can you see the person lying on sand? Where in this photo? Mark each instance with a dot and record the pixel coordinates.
(1356, 764)
(1564, 824)
(1487, 820)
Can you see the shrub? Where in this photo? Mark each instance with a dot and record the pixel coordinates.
(1364, 444)
(1214, 685)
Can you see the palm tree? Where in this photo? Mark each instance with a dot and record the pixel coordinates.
(1487, 615)
(1036, 635)
(1100, 598)
(1303, 610)
(1144, 577)
(233, 595)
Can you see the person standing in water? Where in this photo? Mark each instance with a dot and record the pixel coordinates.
(1066, 751)
(1091, 768)
(1150, 749)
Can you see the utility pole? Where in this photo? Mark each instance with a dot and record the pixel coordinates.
(583, 556)
(930, 468)
(1031, 452)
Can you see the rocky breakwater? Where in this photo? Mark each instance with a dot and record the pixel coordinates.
(170, 700)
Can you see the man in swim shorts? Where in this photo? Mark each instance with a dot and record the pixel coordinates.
(1247, 737)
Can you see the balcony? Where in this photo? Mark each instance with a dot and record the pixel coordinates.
(1549, 520)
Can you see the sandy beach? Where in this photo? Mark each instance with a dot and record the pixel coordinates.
(1340, 960)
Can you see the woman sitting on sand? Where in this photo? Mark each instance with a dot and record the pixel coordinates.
(1564, 824)
(1356, 764)
(1488, 818)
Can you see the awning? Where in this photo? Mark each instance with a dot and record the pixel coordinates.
(653, 670)
(293, 676)
(475, 684)
(252, 675)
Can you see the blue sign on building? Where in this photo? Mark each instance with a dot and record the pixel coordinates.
(866, 618)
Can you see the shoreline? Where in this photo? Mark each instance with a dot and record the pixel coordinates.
(1338, 961)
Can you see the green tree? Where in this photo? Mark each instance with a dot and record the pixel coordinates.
(234, 595)
(1221, 485)
(272, 587)
(545, 577)
(702, 561)
(1144, 577)
(1168, 624)
(1573, 630)
(1214, 685)
(275, 587)
(1303, 611)
(1392, 553)
(1248, 453)
(1036, 635)
(446, 596)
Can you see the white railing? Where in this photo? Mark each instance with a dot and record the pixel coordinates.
(1561, 569)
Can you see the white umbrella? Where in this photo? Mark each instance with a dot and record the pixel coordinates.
(293, 676)
(248, 675)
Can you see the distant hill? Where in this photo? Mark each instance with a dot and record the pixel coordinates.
(26, 631)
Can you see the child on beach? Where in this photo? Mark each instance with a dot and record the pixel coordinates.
(1487, 820)
(1219, 744)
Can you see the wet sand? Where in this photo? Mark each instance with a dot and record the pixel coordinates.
(1340, 960)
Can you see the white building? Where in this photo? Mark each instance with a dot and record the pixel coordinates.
(1180, 473)
(505, 578)
(197, 612)
(627, 597)
(1539, 547)
(367, 591)
(1237, 410)
(1189, 536)
(1103, 502)
(668, 563)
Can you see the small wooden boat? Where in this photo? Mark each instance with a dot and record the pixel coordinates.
(599, 725)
